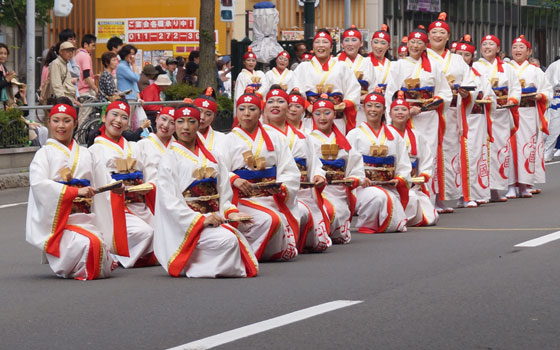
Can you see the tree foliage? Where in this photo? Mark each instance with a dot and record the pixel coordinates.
(13, 12)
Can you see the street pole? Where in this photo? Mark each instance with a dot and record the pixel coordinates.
(347, 11)
(30, 41)
(309, 19)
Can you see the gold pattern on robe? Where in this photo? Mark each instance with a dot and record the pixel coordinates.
(125, 165)
(412, 83)
(329, 152)
(378, 151)
(254, 163)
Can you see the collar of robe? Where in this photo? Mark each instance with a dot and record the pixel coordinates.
(104, 135)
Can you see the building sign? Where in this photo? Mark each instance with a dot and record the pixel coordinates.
(291, 35)
(424, 5)
(161, 30)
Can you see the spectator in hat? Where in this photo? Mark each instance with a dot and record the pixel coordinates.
(59, 74)
(149, 74)
(153, 93)
(171, 72)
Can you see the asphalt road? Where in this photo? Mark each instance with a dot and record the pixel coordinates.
(461, 285)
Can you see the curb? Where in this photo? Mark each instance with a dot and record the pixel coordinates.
(14, 180)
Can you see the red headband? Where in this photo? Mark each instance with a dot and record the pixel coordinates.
(400, 101)
(300, 100)
(120, 105)
(440, 23)
(352, 32)
(466, 47)
(249, 54)
(187, 112)
(277, 93)
(403, 49)
(375, 97)
(323, 35)
(65, 109)
(383, 33)
(323, 104)
(285, 54)
(491, 37)
(522, 39)
(454, 45)
(207, 104)
(247, 98)
(307, 56)
(416, 34)
(168, 110)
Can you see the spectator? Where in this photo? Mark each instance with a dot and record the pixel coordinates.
(181, 71)
(70, 36)
(149, 74)
(107, 88)
(224, 72)
(161, 67)
(191, 76)
(194, 56)
(127, 73)
(6, 76)
(86, 85)
(51, 56)
(114, 44)
(171, 69)
(59, 73)
(153, 93)
(299, 50)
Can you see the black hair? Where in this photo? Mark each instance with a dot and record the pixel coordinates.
(295, 91)
(180, 61)
(88, 39)
(193, 55)
(211, 97)
(2, 45)
(64, 100)
(114, 42)
(66, 34)
(126, 50)
(51, 56)
(107, 57)
(276, 86)
(191, 67)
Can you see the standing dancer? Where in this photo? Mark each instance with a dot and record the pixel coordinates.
(248, 75)
(380, 42)
(279, 74)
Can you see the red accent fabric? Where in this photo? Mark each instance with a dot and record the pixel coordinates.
(323, 207)
(104, 135)
(308, 226)
(277, 93)
(187, 112)
(513, 138)
(266, 137)
(384, 35)
(426, 62)
(443, 25)
(178, 264)
(53, 243)
(150, 199)
(94, 251)
(120, 234)
(204, 150)
(521, 39)
(352, 32)
(341, 140)
(541, 109)
(441, 165)
(118, 105)
(250, 268)
(298, 133)
(464, 103)
(249, 98)
(488, 110)
(151, 94)
(300, 100)
(464, 170)
(374, 59)
(146, 260)
(385, 224)
(322, 103)
(275, 224)
(65, 109)
(500, 64)
(402, 189)
(323, 35)
(350, 111)
(412, 138)
(280, 200)
(374, 97)
(211, 105)
(352, 200)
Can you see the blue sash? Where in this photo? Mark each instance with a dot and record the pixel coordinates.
(137, 175)
(211, 180)
(390, 160)
(76, 182)
(247, 174)
(424, 88)
(301, 161)
(337, 163)
(415, 164)
(529, 90)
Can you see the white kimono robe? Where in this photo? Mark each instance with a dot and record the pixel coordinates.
(273, 76)
(244, 80)
(553, 112)
(314, 221)
(76, 245)
(454, 66)
(136, 249)
(420, 210)
(183, 245)
(361, 64)
(379, 208)
(502, 121)
(310, 74)
(150, 150)
(532, 123)
(381, 70)
(273, 234)
(340, 199)
(428, 122)
(474, 142)
(213, 140)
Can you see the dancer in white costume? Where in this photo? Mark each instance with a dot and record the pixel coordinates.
(280, 74)
(193, 200)
(314, 222)
(378, 56)
(213, 140)
(326, 74)
(505, 121)
(133, 239)
(344, 168)
(248, 75)
(380, 206)
(151, 149)
(419, 211)
(74, 234)
(297, 112)
(475, 128)
(536, 92)
(458, 74)
(424, 84)
(361, 66)
(258, 162)
(553, 75)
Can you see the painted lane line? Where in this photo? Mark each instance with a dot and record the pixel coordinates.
(11, 205)
(263, 326)
(540, 240)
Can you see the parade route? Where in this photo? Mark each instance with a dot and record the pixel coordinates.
(484, 278)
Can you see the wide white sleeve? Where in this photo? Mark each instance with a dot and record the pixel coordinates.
(544, 86)
(224, 187)
(514, 87)
(351, 89)
(402, 163)
(425, 156)
(355, 166)
(314, 165)
(442, 88)
(394, 83)
(287, 171)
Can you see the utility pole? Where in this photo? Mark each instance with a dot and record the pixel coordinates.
(309, 19)
(30, 41)
(347, 11)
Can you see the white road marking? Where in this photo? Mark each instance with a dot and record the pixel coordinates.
(11, 205)
(540, 240)
(259, 327)
(550, 163)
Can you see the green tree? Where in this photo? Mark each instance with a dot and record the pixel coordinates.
(207, 66)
